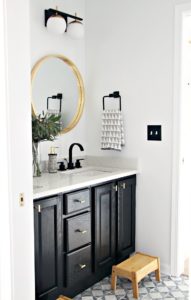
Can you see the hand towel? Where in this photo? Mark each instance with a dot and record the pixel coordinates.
(112, 137)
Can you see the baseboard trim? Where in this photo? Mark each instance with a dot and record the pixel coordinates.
(165, 269)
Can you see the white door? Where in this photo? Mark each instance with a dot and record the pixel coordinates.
(16, 222)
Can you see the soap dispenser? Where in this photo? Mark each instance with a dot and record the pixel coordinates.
(52, 161)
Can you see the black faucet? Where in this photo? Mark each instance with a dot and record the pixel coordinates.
(70, 162)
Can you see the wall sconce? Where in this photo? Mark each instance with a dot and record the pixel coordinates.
(57, 22)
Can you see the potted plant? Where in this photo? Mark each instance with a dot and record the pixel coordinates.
(44, 128)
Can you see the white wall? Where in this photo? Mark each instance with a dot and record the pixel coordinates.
(44, 43)
(129, 47)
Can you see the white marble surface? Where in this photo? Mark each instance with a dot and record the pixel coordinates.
(51, 184)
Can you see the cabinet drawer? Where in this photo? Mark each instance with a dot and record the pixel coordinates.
(78, 230)
(77, 201)
(78, 265)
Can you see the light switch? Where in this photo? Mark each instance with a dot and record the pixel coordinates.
(154, 133)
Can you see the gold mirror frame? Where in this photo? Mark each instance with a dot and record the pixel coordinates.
(80, 84)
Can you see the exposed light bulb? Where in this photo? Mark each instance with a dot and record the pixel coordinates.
(56, 24)
(75, 30)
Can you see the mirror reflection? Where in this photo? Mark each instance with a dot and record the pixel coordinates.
(57, 88)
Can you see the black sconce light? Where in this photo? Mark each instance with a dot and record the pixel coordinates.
(59, 97)
(57, 22)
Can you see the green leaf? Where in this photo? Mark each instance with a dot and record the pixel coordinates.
(45, 127)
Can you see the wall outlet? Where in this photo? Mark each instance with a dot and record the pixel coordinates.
(154, 133)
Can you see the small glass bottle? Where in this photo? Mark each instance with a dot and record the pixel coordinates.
(52, 161)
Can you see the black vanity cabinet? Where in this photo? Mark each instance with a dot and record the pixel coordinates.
(126, 217)
(104, 226)
(48, 259)
(114, 222)
(77, 241)
(79, 236)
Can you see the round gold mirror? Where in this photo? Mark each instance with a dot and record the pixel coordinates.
(57, 88)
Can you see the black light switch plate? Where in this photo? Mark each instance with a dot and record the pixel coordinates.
(154, 133)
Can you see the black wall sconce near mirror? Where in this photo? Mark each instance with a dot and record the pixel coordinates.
(57, 22)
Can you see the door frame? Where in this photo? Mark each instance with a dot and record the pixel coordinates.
(180, 11)
(6, 280)
(17, 279)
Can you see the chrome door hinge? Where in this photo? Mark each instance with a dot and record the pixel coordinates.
(115, 188)
(38, 207)
(123, 185)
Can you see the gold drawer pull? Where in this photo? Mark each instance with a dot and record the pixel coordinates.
(80, 201)
(82, 266)
(82, 231)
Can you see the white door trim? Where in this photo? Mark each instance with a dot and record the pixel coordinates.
(5, 225)
(180, 11)
(17, 230)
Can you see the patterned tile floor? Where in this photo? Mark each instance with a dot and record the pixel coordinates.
(168, 288)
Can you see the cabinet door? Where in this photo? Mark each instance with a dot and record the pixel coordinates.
(105, 225)
(47, 222)
(126, 217)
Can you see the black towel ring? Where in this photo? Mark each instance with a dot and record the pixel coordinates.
(114, 95)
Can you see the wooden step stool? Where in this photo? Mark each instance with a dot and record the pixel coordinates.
(136, 268)
(63, 298)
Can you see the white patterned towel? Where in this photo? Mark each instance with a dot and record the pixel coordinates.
(112, 130)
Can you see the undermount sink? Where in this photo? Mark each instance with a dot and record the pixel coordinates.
(87, 172)
(91, 172)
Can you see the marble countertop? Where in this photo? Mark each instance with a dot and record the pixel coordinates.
(61, 182)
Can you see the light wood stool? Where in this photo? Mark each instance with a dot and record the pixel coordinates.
(136, 268)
